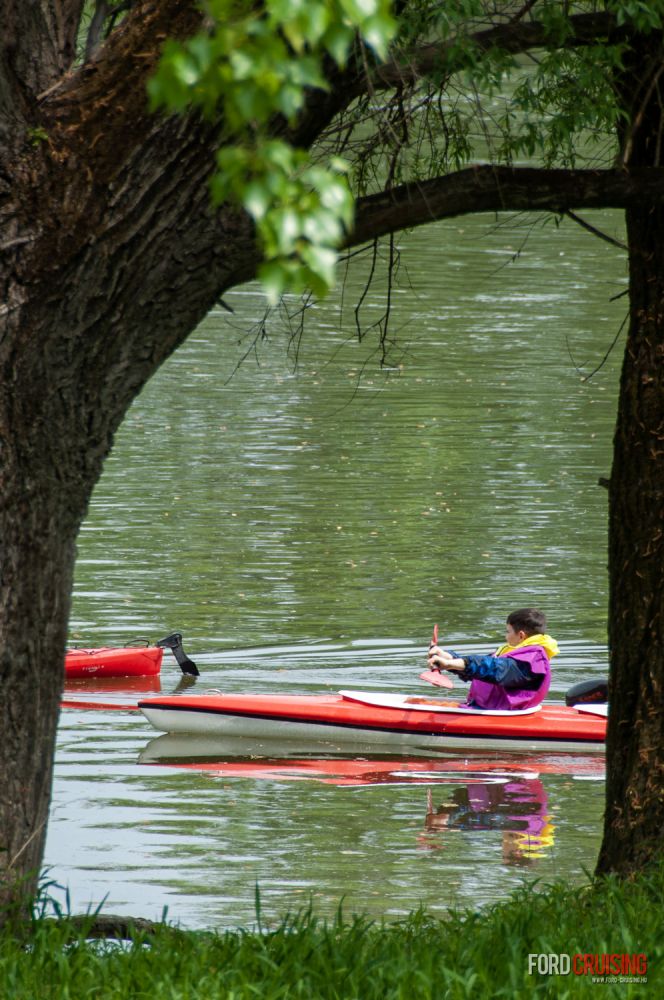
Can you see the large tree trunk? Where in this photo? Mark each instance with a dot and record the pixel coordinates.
(634, 817)
(39, 518)
(109, 257)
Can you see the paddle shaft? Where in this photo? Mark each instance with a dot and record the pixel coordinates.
(436, 677)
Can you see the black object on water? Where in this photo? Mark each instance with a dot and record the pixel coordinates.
(593, 692)
(174, 643)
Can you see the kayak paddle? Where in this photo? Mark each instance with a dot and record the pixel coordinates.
(435, 676)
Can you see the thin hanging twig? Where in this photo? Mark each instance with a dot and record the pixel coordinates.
(599, 367)
(596, 232)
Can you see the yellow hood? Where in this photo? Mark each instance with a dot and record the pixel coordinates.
(550, 645)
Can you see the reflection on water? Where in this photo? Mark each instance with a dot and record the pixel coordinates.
(516, 806)
(92, 687)
(304, 530)
(503, 792)
(160, 826)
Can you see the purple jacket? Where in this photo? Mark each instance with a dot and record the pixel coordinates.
(494, 696)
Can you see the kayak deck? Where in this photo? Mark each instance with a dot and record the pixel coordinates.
(343, 719)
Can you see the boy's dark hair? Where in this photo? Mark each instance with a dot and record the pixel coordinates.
(530, 620)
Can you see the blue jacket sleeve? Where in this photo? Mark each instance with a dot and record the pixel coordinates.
(503, 670)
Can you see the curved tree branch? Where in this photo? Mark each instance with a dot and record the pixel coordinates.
(513, 37)
(499, 189)
(123, 205)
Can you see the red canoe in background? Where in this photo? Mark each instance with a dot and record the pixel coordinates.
(137, 660)
(128, 661)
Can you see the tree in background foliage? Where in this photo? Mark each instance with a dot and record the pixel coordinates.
(311, 124)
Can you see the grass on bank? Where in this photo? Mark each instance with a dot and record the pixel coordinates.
(465, 954)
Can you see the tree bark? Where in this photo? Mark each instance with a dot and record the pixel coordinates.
(109, 256)
(634, 816)
(38, 534)
(89, 313)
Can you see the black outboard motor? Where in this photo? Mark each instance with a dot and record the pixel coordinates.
(174, 643)
(588, 693)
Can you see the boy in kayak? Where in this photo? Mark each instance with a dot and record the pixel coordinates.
(518, 675)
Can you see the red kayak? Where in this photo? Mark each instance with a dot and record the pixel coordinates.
(128, 661)
(381, 718)
(139, 660)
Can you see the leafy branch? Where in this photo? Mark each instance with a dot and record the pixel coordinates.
(252, 71)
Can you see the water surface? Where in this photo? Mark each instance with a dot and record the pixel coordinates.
(304, 527)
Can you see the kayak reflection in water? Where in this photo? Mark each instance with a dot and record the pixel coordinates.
(518, 807)
(517, 676)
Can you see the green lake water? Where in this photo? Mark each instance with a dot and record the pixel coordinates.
(304, 525)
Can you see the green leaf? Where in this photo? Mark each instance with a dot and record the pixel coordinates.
(358, 10)
(323, 228)
(322, 261)
(378, 32)
(256, 199)
(337, 41)
(286, 225)
(274, 278)
(280, 154)
(290, 100)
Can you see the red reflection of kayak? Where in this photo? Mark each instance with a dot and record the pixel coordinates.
(192, 754)
(83, 686)
(104, 693)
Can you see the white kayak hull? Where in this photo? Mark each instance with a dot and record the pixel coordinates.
(344, 719)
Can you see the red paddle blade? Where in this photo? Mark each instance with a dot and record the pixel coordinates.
(434, 677)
